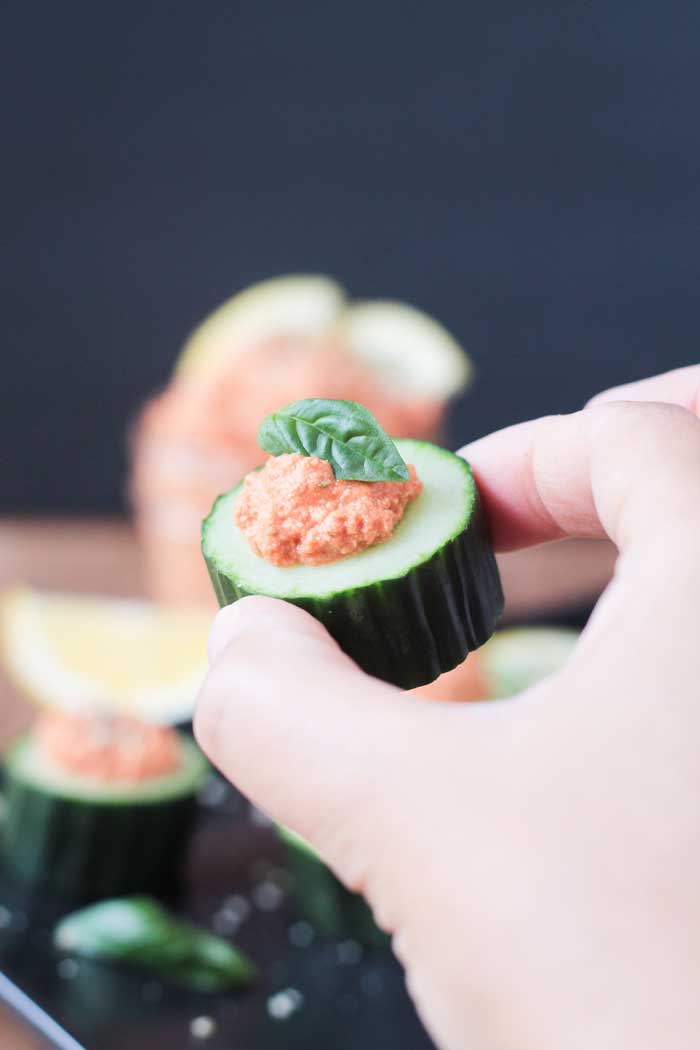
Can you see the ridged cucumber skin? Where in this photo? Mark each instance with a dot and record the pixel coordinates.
(82, 851)
(323, 901)
(410, 629)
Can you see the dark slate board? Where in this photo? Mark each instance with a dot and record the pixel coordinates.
(352, 999)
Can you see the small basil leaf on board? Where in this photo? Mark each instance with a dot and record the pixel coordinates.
(343, 433)
(139, 932)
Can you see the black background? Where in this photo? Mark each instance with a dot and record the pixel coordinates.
(528, 172)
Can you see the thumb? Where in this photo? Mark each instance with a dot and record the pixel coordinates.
(305, 734)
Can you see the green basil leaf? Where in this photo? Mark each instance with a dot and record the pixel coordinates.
(138, 931)
(343, 433)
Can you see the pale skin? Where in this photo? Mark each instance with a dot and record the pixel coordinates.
(537, 860)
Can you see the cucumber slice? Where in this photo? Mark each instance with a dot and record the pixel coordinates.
(519, 657)
(83, 839)
(323, 900)
(407, 348)
(405, 610)
(295, 305)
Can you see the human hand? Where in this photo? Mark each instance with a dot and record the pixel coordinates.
(537, 860)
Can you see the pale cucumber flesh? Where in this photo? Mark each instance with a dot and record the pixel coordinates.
(440, 513)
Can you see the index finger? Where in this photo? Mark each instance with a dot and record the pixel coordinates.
(623, 470)
(680, 387)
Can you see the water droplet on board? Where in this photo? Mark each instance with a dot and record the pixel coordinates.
(238, 905)
(233, 912)
(267, 896)
(349, 953)
(301, 934)
(5, 917)
(67, 969)
(202, 1027)
(285, 1004)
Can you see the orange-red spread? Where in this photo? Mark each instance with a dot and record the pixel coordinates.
(222, 407)
(294, 512)
(108, 748)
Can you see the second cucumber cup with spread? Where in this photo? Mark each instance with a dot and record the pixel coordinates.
(384, 542)
(99, 794)
(97, 806)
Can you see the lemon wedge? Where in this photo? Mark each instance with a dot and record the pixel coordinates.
(293, 305)
(69, 651)
(406, 348)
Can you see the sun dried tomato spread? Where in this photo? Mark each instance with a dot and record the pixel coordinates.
(294, 512)
(108, 748)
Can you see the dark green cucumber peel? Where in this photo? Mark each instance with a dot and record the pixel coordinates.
(411, 628)
(140, 932)
(95, 847)
(332, 909)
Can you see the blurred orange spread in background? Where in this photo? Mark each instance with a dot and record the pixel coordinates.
(108, 748)
(197, 439)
